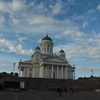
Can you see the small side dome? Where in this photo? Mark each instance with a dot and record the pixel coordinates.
(32, 55)
(61, 51)
(47, 38)
(37, 48)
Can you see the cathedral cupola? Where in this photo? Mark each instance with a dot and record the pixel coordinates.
(62, 54)
(46, 45)
(61, 51)
(37, 49)
(37, 54)
(47, 38)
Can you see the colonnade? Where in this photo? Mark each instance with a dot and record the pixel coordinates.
(23, 72)
(48, 71)
(46, 47)
(57, 72)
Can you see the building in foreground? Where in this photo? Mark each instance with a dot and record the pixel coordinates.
(45, 64)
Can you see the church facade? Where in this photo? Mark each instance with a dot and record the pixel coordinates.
(45, 64)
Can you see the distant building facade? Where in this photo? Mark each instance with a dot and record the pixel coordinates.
(45, 64)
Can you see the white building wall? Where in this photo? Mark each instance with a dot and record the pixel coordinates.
(57, 72)
(54, 72)
(66, 69)
(49, 71)
(19, 74)
(33, 72)
(25, 72)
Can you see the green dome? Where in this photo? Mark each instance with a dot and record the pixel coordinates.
(37, 48)
(62, 51)
(47, 38)
(32, 55)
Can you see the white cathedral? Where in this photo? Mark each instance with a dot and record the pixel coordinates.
(45, 64)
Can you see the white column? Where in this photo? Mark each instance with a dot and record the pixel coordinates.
(41, 71)
(52, 72)
(45, 71)
(33, 73)
(57, 72)
(46, 47)
(43, 47)
(24, 72)
(19, 74)
(27, 72)
(49, 47)
(74, 74)
(66, 73)
(62, 72)
(48, 71)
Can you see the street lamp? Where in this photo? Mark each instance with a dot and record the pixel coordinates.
(92, 72)
(13, 68)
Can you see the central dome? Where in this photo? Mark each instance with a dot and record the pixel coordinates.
(47, 38)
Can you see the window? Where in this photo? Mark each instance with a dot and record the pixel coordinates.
(47, 47)
(44, 47)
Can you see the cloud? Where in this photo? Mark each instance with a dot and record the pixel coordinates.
(20, 50)
(80, 49)
(14, 20)
(94, 52)
(21, 39)
(88, 69)
(81, 52)
(2, 20)
(91, 11)
(1, 35)
(9, 46)
(76, 17)
(98, 7)
(12, 7)
(94, 42)
(93, 18)
(40, 20)
(8, 68)
(36, 17)
(39, 41)
(19, 12)
(7, 65)
(57, 8)
(84, 24)
(71, 32)
(96, 35)
(70, 2)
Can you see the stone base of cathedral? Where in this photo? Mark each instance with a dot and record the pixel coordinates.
(43, 84)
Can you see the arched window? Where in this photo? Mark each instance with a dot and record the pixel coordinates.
(47, 47)
(44, 47)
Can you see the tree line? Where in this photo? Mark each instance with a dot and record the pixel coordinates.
(4, 74)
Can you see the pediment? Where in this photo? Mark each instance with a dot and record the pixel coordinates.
(55, 59)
